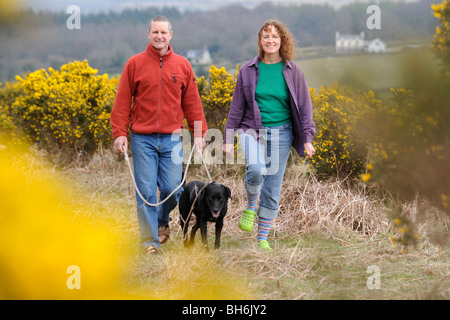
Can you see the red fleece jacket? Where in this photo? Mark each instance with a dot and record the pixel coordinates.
(154, 95)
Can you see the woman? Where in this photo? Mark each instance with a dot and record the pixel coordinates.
(272, 112)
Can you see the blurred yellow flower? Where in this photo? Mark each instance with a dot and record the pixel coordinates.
(40, 241)
(366, 177)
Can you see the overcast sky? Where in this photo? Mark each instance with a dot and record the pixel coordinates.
(117, 5)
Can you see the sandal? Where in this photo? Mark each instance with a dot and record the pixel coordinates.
(247, 220)
(164, 234)
(151, 250)
(264, 246)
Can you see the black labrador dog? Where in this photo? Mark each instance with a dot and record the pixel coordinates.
(211, 205)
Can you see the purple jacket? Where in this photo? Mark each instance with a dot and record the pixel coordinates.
(244, 111)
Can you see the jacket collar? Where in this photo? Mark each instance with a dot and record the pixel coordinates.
(255, 60)
(152, 52)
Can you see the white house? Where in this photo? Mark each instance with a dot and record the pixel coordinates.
(199, 57)
(355, 43)
(349, 43)
(376, 46)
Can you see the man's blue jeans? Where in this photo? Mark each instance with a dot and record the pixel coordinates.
(266, 161)
(157, 164)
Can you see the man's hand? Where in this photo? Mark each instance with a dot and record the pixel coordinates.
(199, 144)
(119, 143)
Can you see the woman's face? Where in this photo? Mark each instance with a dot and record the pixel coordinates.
(270, 41)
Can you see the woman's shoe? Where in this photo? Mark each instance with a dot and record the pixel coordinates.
(264, 246)
(247, 220)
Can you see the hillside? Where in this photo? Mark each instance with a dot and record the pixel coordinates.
(32, 40)
(118, 5)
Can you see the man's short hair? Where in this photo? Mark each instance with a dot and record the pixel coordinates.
(160, 19)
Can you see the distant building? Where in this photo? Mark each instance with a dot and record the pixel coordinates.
(199, 57)
(355, 43)
(376, 46)
(349, 43)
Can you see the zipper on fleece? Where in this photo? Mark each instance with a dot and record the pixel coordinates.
(160, 93)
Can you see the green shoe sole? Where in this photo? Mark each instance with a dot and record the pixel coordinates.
(247, 220)
(264, 245)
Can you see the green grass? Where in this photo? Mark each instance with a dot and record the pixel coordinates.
(377, 72)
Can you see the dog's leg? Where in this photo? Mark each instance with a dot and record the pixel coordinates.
(193, 231)
(219, 226)
(204, 232)
(184, 227)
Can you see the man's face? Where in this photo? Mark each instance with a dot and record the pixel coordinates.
(160, 36)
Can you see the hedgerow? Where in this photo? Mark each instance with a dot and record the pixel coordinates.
(68, 110)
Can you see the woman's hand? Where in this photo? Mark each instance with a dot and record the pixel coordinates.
(309, 150)
(228, 148)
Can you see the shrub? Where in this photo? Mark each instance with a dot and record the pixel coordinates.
(412, 158)
(341, 149)
(414, 154)
(216, 92)
(66, 110)
(441, 41)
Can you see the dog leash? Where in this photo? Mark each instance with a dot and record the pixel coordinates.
(127, 159)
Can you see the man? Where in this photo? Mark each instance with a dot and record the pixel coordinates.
(156, 90)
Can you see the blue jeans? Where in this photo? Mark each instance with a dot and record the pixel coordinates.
(157, 161)
(266, 161)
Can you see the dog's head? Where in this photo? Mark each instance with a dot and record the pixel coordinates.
(215, 196)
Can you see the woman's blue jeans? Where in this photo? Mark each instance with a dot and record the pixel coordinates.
(158, 163)
(266, 161)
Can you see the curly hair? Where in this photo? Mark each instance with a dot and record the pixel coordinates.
(288, 42)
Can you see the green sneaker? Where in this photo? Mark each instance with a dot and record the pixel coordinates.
(247, 220)
(264, 246)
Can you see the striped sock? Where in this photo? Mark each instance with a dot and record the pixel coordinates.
(263, 228)
(251, 200)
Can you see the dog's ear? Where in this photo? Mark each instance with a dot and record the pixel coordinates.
(228, 191)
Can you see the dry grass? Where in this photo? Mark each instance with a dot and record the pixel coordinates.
(307, 204)
(326, 236)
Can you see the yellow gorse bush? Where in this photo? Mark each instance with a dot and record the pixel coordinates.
(216, 92)
(68, 109)
(441, 41)
(340, 149)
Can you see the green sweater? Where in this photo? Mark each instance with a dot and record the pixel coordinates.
(272, 95)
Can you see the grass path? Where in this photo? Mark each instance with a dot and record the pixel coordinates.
(307, 266)
(322, 258)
